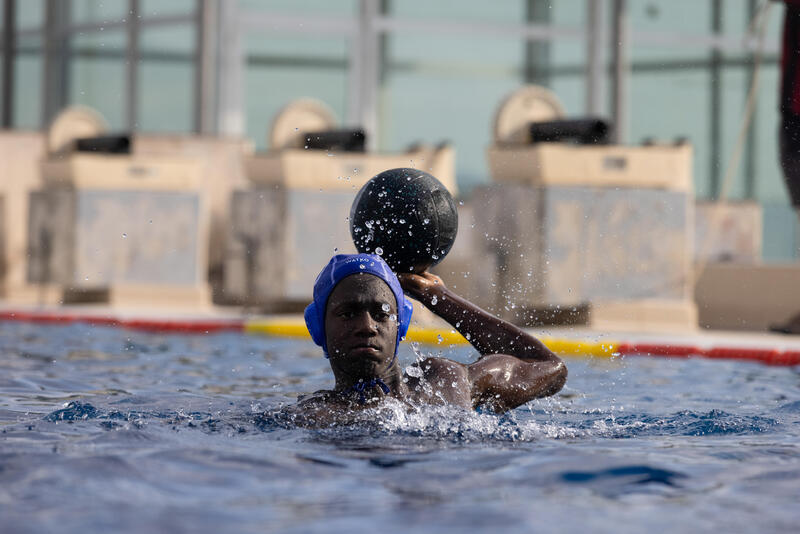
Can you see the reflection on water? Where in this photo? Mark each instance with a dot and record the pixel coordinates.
(109, 430)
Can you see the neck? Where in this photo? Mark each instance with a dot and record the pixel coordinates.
(392, 377)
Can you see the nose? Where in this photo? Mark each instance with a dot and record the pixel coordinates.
(365, 325)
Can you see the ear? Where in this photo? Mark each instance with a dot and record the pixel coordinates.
(314, 325)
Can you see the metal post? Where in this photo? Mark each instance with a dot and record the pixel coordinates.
(537, 52)
(206, 67)
(752, 132)
(362, 106)
(132, 67)
(355, 70)
(54, 64)
(715, 105)
(232, 58)
(619, 103)
(9, 49)
(595, 56)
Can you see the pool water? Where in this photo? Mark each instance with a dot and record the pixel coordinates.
(108, 430)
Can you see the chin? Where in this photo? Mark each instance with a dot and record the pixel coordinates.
(369, 369)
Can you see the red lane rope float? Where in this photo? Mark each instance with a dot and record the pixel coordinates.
(654, 349)
(742, 353)
(200, 326)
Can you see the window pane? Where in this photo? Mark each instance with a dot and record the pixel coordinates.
(319, 7)
(670, 103)
(97, 74)
(461, 10)
(448, 89)
(30, 14)
(282, 69)
(166, 79)
(691, 18)
(734, 86)
(83, 11)
(27, 106)
(769, 184)
(155, 8)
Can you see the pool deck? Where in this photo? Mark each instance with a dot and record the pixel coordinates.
(769, 348)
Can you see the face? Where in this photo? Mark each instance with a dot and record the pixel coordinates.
(361, 326)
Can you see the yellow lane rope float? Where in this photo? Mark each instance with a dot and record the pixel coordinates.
(296, 328)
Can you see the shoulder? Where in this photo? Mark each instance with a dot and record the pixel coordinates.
(440, 380)
(435, 367)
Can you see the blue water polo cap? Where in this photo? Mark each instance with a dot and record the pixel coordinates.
(341, 266)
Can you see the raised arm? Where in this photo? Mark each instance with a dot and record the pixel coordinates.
(513, 368)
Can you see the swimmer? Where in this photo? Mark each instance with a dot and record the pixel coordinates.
(359, 316)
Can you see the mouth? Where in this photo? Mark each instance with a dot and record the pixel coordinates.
(366, 349)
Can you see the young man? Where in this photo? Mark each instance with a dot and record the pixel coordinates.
(360, 314)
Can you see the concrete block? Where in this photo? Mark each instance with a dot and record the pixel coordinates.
(729, 231)
(94, 240)
(471, 275)
(279, 241)
(659, 166)
(644, 315)
(313, 170)
(20, 155)
(735, 296)
(568, 246)
(221, 171)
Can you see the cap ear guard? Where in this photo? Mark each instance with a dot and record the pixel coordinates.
(314, 325)
(406, 312)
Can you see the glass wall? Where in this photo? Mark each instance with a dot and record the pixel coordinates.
(28, 66)
(97, 73)
(283, 68)
(166, 79)
(284, 65)
(443, 69)
(446, 86)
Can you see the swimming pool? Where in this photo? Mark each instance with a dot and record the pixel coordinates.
(168, 433)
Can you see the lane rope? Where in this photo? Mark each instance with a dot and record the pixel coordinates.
(296, 328)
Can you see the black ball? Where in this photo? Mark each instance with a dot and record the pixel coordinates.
(405, 216)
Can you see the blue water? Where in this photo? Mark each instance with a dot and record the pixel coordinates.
(107, 430)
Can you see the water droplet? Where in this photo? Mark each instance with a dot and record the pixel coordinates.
(336, 249)
(439, 338)
(434, 301)
(379, 251)
(385, 307)
(124, 236)
(425, 221)
(362, 266)
(393, 318)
